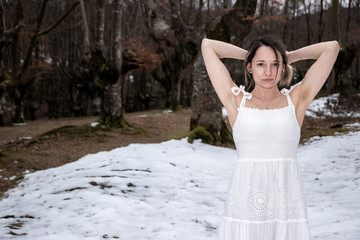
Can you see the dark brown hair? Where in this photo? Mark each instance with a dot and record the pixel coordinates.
(277, 46)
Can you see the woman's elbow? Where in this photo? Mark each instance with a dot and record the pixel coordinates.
(334, 46)
(204, 41)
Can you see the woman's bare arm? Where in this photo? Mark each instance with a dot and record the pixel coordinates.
(212, 51)
(326, 54)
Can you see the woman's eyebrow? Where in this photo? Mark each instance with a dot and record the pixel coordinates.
(275, 61)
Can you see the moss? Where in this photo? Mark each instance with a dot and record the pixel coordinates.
(226, 135)
(70, 131)
(115, 122)
(174, 107)
(8, 157)
(201, 133)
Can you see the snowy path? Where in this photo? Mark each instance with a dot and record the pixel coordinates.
(172, 190)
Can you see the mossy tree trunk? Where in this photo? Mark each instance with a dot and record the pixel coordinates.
(112, 114)
(113, 100)
(206, 121)
(206, 112)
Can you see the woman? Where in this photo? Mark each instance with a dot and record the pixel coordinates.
(265, 199)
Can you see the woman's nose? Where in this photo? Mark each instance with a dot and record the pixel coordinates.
(268, 70)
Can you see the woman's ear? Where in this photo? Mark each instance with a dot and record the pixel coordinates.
(248, 67)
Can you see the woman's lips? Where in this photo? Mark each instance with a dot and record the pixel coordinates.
(267, 79)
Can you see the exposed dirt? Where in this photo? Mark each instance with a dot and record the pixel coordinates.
(47, 143)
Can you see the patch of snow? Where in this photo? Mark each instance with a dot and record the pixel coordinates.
(323, 107)
(25, 138)
(94, 124)
(19, 124)
(173, 190)
(12, 178)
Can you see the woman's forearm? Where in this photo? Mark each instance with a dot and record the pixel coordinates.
(313, 51)
(223, 49)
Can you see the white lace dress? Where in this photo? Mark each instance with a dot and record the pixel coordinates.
(265, 199)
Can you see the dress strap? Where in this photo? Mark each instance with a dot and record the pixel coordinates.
(286, 91)
(241, 88)
(246, 95)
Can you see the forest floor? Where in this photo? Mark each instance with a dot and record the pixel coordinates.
(47, 143)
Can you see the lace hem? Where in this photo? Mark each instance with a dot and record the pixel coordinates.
(300, 220)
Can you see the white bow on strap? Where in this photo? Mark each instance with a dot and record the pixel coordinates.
(287, 91)
(241, 88)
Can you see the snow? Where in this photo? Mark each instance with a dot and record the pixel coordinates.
(12, 178)
(20, 124)
(94, 124)
(25, 138)
(324, 107)
(173, 190)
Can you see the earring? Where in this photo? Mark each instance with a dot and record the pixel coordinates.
(250, 71)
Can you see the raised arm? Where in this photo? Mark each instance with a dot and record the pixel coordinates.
(212, 51)
(326, 54)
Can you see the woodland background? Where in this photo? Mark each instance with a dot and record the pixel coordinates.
(66, 58)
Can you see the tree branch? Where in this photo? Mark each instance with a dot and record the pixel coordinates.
(59, 20)
(33, 39)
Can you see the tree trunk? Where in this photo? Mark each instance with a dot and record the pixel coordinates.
(321, 25)
(20, 90)
(307, 12)
(176, 44)
(339, 85)
(285, 29)
(206, 121)
(86, 27)
(100, 25)
(348, 22)
(335, 29)
(293, 24)
(113, 95)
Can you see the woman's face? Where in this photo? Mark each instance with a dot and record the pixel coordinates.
(265, 69)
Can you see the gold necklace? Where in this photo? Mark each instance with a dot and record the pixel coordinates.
(266, 106)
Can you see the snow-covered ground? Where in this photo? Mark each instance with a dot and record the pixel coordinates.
(325, 106)
(172, 190)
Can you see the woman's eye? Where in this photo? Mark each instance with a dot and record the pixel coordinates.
(260, 64)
